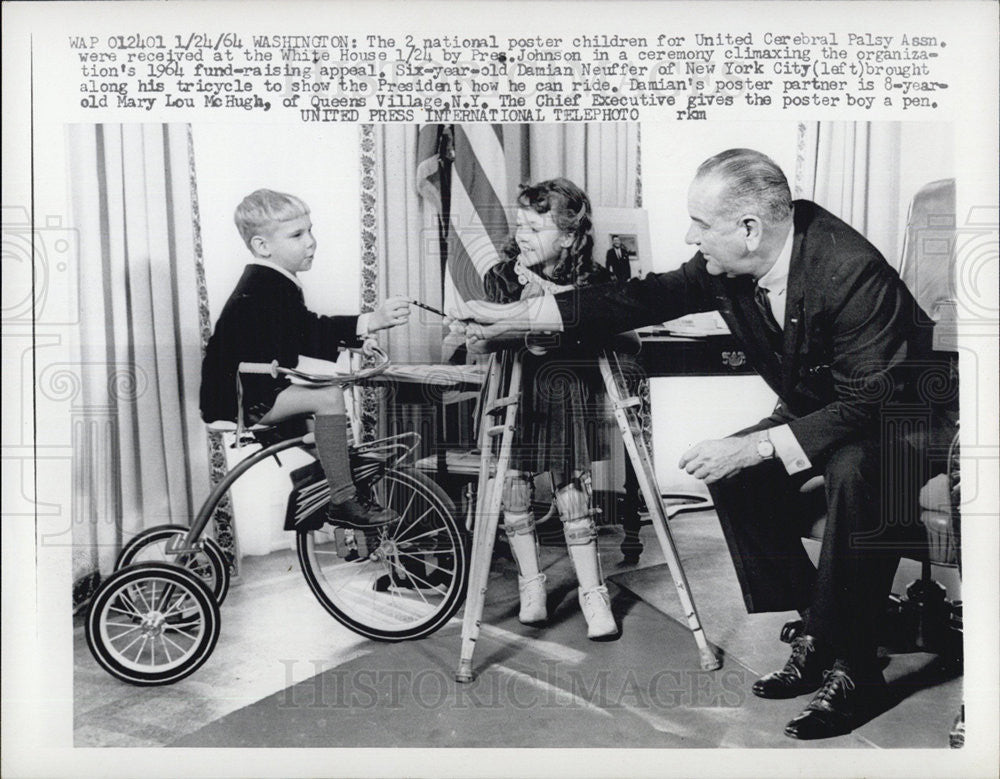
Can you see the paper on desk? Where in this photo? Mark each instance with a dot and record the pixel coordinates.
(698, 325)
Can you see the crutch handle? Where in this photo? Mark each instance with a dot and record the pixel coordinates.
(267, 368)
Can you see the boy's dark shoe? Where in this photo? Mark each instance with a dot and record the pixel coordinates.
(802, 673)
(839, 705)
(354, 515)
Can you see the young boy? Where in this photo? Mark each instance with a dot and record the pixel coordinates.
(266, 319)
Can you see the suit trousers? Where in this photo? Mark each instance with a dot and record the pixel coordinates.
(762, 511)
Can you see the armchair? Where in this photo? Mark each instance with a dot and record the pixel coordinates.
(927, 618)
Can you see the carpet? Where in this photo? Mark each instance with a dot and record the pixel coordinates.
(923, 694)
(536, 687)
(551, 687)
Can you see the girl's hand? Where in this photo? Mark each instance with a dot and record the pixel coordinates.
(390, 313)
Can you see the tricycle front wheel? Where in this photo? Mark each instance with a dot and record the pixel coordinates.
(397, 582)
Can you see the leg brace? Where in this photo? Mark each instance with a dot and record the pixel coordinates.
(573, 503)
(518, 518)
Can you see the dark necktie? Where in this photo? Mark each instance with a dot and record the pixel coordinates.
(771, 327)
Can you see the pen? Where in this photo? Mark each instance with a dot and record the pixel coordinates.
(424, 306)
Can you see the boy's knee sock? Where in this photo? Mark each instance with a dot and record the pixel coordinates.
(331, 448)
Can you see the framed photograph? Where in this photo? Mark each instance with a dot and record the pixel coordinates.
(631, 227)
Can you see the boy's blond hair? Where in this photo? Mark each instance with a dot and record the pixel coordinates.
(264, 207)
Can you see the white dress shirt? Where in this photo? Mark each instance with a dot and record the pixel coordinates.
(775, 281)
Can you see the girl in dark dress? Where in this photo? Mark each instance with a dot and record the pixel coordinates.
(560, 426)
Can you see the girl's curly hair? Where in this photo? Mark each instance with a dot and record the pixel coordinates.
(570, 209)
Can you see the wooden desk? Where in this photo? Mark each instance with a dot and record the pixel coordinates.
(698, 389)
(448, 458)
(666, 355)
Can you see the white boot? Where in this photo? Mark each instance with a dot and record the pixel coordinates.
(532, 592)
(596, 606)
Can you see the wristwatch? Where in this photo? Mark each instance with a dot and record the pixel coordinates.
(764, 447)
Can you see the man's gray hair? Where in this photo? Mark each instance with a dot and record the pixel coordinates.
(753, 181)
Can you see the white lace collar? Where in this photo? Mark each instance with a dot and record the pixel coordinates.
(531, 280)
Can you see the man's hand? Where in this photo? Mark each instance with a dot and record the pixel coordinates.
(391, 312)
(480, 339)
(482, 322)
(714, 460)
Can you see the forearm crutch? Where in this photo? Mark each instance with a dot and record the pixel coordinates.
(638, 452)
(504, 369)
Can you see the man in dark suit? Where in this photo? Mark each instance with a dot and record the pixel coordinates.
(832, 329)
(617, 262)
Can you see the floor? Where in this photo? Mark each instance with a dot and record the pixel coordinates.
(644, 689)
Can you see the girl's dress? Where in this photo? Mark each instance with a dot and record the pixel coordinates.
(562, 422)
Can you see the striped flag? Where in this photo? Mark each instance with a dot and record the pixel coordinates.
(434, 155)
(477, 219)
(461, 171)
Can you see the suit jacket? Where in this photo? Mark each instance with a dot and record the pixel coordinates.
(619, 267)
(854, 338)
(265, 319)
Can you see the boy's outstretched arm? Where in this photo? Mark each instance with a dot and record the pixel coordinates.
(391, 312)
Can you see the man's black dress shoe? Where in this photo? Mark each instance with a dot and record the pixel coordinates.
(802, 673)
(795, 627)
(792, 630)
(835, 708)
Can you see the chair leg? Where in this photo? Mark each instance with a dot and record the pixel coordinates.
(631, 546)
(927, 601)
(956, 738)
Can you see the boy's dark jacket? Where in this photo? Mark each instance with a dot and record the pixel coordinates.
(265, 319)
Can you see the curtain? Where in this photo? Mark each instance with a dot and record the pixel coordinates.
(406, 241)
(852, 169)
(602, 159)
(140, 449)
